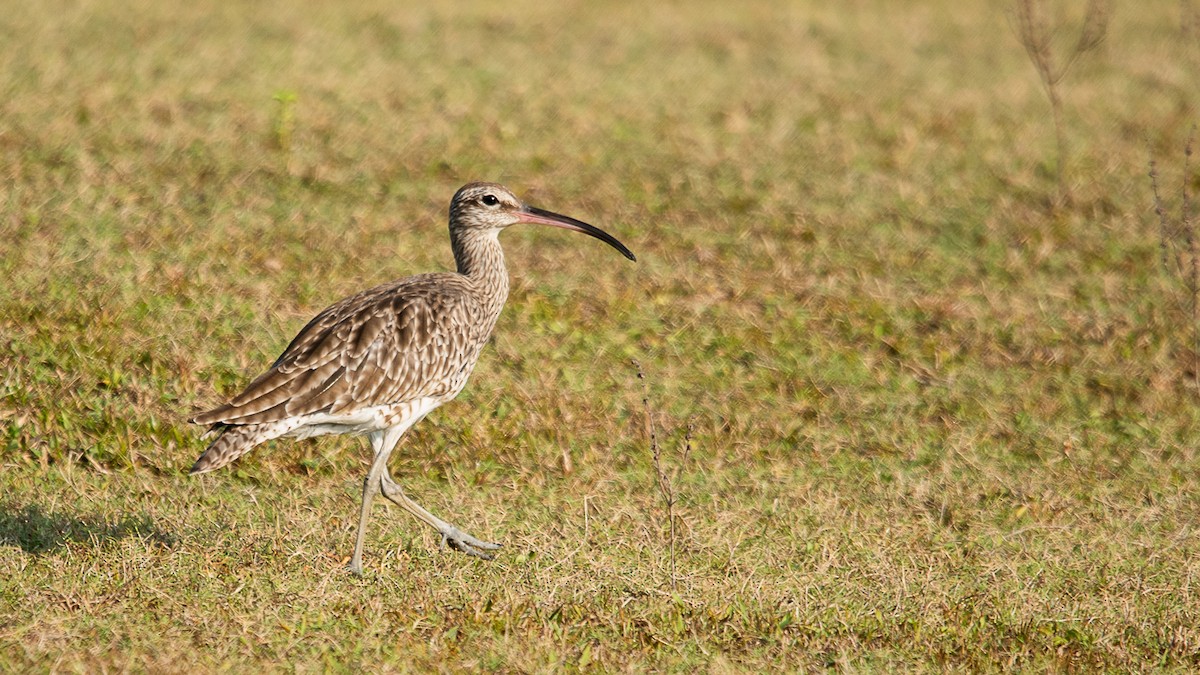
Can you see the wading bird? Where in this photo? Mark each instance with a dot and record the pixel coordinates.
(376, 363)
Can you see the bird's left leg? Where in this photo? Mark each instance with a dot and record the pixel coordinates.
(458, 540)
(383, 448)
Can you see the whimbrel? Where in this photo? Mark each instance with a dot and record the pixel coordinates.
(378, 362)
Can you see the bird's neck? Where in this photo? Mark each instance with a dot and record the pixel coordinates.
(481, 260)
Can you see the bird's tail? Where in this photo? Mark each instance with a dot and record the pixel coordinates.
(233, 441)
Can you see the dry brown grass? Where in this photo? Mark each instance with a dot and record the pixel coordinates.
(939, 423)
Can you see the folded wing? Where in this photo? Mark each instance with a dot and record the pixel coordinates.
(387, 345)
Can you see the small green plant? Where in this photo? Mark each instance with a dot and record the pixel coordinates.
(285, 120)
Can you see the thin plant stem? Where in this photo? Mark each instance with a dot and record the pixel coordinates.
(1185, 220)
(1035, 37)
(1179, 250)
(664, 480)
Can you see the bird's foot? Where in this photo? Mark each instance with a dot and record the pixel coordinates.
(461, 541)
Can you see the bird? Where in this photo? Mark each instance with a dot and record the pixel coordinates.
(376, 363)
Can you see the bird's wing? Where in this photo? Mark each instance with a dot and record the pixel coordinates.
(384, 346)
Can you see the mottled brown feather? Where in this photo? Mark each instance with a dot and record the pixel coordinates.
(392, 343)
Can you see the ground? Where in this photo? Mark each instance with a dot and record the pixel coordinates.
(944, 408)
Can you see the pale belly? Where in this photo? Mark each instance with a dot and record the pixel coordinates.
(366, 420)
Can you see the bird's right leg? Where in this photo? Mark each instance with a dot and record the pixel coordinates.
(370, 490)
(458, 540)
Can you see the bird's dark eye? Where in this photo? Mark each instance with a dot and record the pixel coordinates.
(490, 200)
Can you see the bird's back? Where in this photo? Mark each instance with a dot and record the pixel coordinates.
(415, 338)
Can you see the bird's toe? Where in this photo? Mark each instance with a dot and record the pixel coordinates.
(465, 543)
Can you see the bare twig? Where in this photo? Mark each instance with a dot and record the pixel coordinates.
(1189, 232)
(1179, 250)
(1164, 227)
(1035, 36)
(1189, 19)
(664, 479)
(1093, 32)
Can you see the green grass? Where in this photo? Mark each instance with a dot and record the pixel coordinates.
(940, 423)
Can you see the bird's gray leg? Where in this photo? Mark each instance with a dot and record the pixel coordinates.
(458, 540)
(370, 489)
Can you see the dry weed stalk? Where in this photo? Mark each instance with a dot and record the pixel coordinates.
(1036, 37)
(1189, 30)
(665, 480)
(1178, 249)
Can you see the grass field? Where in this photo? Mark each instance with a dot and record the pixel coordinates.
(940, 421)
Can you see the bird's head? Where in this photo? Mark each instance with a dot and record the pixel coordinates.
(491, 206)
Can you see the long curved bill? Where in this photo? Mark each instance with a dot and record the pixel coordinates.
(530, 214)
